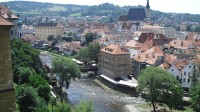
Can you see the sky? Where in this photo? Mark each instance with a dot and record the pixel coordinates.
(179, 6)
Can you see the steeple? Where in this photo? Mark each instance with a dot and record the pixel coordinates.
(147, 6)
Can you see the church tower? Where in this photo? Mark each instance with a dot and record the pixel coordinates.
(7, 100)
(148, 12)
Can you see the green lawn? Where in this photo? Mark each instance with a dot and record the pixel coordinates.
(57, 8)
(75, 14)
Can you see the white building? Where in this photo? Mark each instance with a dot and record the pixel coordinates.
(183, 71)
(166, 31)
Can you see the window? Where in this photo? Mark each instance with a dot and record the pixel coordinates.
(188, 73)
(177, 77)
(184, 73)
(184, 80)
(188, 80)
(172, 70)
(189, 66)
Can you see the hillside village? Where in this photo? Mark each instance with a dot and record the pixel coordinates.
(121, 49)
(127, 47)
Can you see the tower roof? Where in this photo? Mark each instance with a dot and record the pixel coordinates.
(4, 22)
(148, 6)
(136, 14)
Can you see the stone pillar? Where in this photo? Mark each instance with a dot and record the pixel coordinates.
(7, 100)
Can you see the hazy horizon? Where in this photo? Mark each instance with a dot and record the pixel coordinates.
(175, 6)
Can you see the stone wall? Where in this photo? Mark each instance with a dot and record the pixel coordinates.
(7, 100)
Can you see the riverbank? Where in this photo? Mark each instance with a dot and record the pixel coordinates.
(133, 108)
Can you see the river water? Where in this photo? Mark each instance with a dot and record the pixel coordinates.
(87, 89)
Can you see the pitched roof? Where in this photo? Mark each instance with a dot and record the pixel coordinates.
(150, 56)
(133, 44)
(4, 9)
(170, 58)
(49, 25)
(136, 14)
(6, 13)
(164, 66)
(180, 65)
(4, 22)
(114, 49)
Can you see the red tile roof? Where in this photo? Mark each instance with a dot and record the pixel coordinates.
(114, 49)
(5, 22)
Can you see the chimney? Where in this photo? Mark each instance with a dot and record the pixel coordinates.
(153, 54)
(146, 55)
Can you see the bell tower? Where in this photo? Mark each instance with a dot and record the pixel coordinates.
(148, 12)
(7, 100)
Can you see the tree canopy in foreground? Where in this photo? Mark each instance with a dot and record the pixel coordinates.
(158, 85)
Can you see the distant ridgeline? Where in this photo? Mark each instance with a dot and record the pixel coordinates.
(106, 9)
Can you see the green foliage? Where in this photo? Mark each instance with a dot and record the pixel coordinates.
(90, 53)
(26, 98)
(159, 84)
(44, 92)
(195, 97)
(53, 102)
(90, 37)
(67, 70)
(174, 96)
(83, 55)
(50, 37)
(84, 107)
(23, 74)
(67, 39)
(24, 55)
(42, 86)
(94, 50)
(37, 80)
(63, 107)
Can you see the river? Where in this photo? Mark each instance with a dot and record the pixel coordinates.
(87, 89)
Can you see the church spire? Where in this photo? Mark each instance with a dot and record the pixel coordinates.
(147, 6)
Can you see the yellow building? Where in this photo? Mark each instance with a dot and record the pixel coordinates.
(114, 61)
(44, 30)
(7, 100)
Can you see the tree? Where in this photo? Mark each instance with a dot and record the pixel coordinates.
(24, 55)
(196, 73)
(50, 37)
(26, 98)
(94, 50)
(195, 97)
(84, 106)
(90, 37)
(83, 55)
(174, 96)
(52, 102)
(156, 83)
(23, 74)
(42, 86)
(66, 69)
(90, 53)
(63, 107)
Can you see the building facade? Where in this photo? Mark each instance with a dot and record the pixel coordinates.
(44, 30)
(6, 13)
(166, 31)
(7, 100)
(114, 61)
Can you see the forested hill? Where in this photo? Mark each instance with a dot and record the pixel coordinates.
(28, 8)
